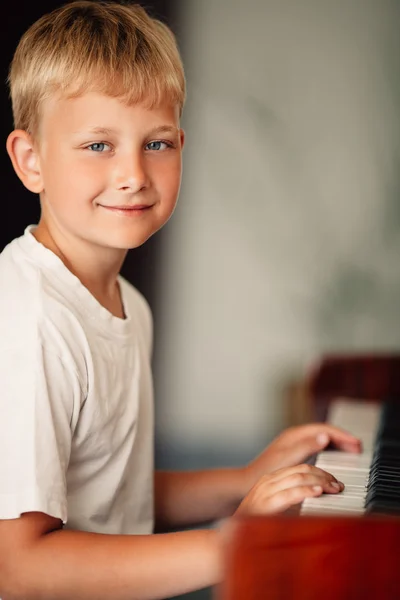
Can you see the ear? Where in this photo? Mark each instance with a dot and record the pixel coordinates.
(182, 138)
(25, 160)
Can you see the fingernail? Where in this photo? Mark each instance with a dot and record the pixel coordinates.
(337, 484)
(322, 439)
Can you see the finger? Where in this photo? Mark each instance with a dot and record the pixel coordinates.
(328, 483)
(311, 429)
(340, 438)
(319, 437)
(289, 497)
(304, 469)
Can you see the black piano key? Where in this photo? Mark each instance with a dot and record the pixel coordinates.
(383, 489)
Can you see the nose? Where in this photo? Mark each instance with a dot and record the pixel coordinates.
(131, 174)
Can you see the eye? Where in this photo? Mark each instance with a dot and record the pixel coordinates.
(98, 147)
(158, 145)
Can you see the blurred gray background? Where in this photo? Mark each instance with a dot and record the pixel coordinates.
(286, 239)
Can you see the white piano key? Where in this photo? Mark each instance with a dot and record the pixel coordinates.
(362, 420)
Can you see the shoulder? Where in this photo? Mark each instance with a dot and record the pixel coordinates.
(34, 313)
(21, 291)
(29, 291)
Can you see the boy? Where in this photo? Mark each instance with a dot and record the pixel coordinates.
(97, 92)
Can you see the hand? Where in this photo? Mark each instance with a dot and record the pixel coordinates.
(287, 487)
(295, 445)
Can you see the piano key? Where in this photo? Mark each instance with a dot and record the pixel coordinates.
(363, 420)
(383, 493)
(372, 478)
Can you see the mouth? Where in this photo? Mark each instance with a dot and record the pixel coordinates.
(127, 210)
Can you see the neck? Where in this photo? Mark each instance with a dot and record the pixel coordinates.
(97, 268)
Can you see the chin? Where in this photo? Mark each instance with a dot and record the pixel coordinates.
(129, 242)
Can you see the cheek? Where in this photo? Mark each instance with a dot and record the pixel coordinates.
(71, 179)
(55, 171)
(54, 182)
(172, 179)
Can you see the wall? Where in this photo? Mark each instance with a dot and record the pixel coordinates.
(286, 240)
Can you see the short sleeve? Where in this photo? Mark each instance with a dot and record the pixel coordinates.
(39, 396)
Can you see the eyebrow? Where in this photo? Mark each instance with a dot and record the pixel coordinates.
(102, 130)
(158, 130)
(164, 129)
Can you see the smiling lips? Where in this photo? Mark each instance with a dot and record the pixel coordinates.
(128, 209)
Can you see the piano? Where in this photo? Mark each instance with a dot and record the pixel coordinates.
(344, 546)
(372, 478)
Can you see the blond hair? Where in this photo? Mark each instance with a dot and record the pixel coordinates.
(112, 48)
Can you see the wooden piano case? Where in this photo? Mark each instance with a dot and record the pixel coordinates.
(363, 376)
(286, 557)
(313, 558)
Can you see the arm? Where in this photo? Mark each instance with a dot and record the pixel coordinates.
(190, 497)
(41, 561)
(38, 559)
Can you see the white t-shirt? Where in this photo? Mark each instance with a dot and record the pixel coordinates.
(76, 398)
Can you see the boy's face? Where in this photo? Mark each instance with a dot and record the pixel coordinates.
(110, 172)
